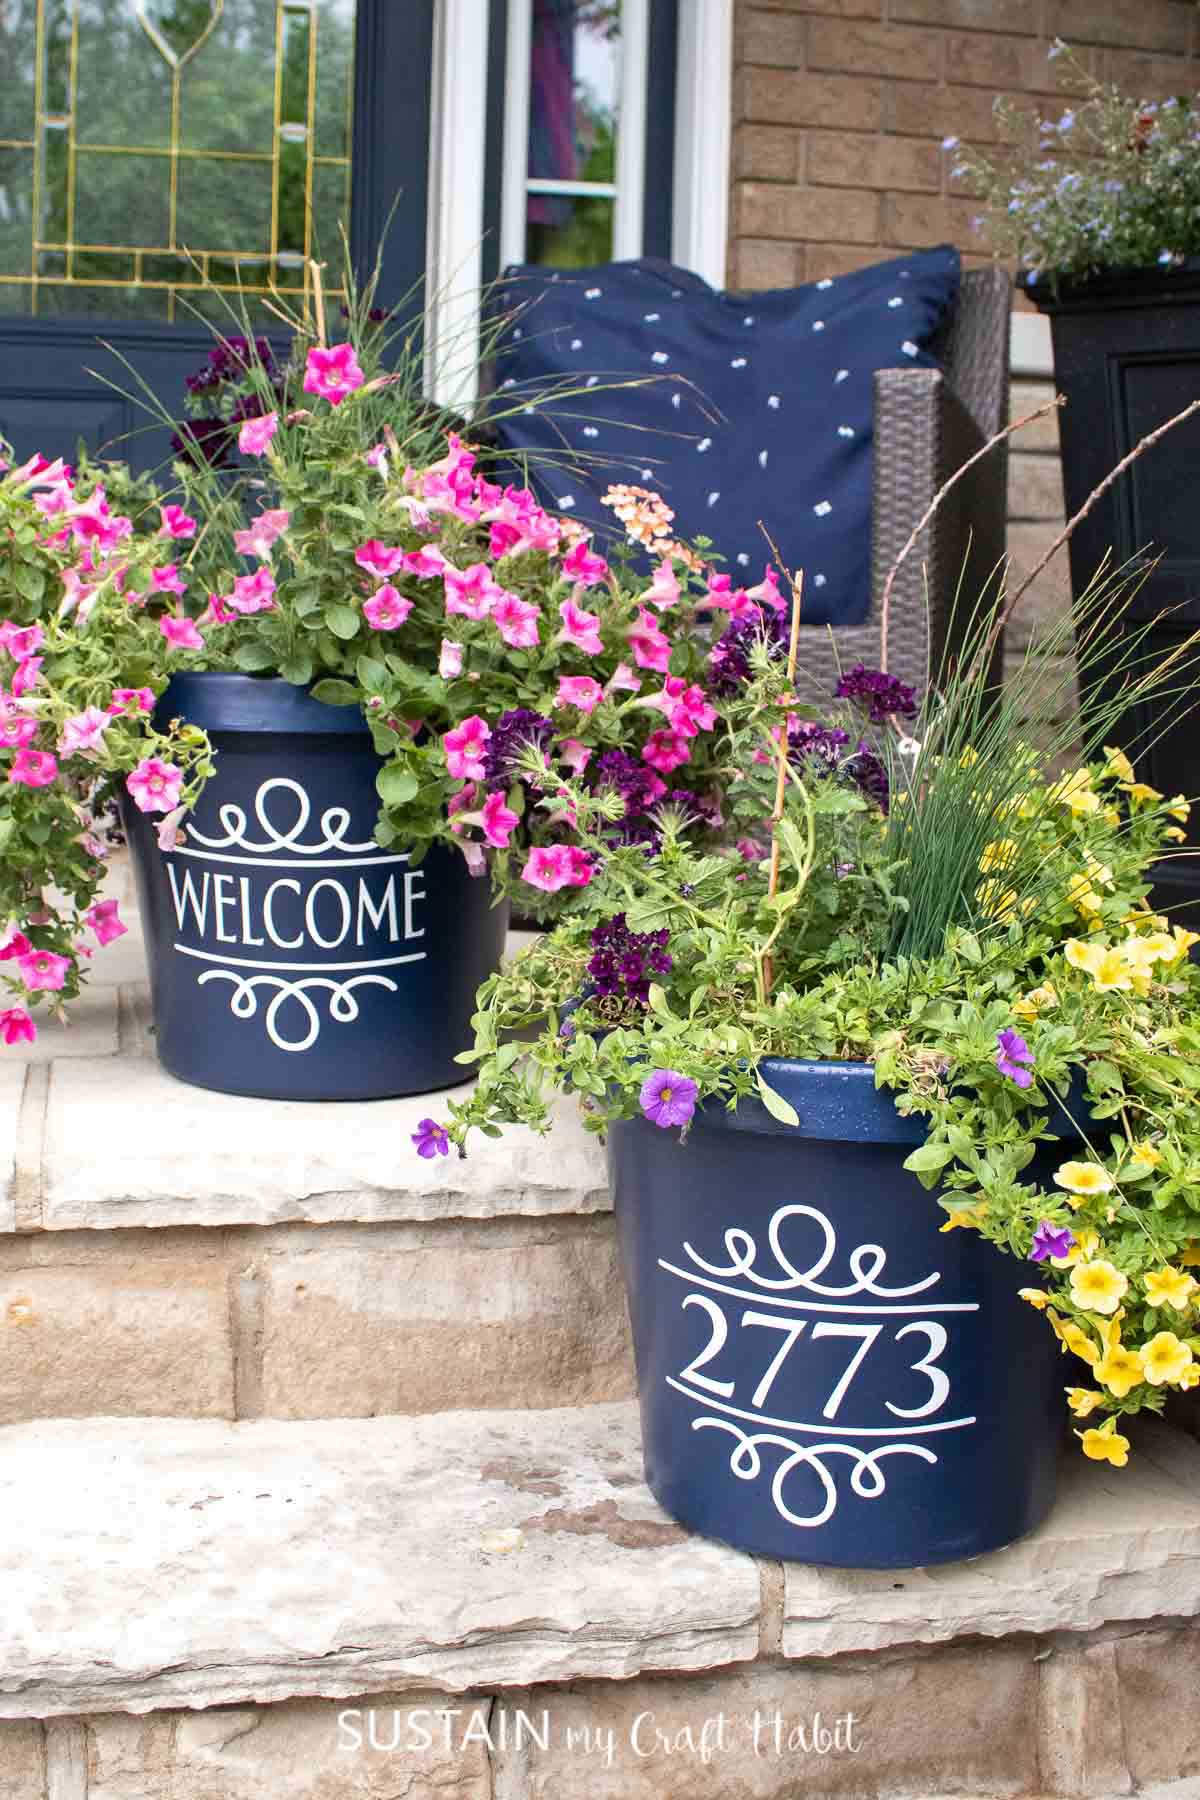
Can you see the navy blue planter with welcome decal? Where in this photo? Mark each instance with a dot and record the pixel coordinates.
(291, 957)
(824, 1374)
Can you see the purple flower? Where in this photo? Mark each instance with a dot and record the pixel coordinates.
(1011, 1053)
(623, 961)
(729, 658)
(513, 733)
(1050, 1240)
(667, 1099)
(431, 1138)
(882, 695)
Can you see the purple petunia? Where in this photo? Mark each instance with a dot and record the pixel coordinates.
(1014, 1058)
(1051, 1240)
(667, 1099)
(431, 1138)
(881, 694)
(513, 733)
(623, 961)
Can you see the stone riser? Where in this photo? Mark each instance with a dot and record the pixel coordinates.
(298, 1321)
(1066, 1717)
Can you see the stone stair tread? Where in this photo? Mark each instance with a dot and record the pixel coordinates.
(148, 1564)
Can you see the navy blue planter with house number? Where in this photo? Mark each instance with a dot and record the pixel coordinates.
(824, 1374)
(290, 956)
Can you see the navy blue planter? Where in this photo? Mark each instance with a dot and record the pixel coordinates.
(824, 1375)
(290, 956)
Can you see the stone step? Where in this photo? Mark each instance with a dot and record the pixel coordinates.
(322, 1593)
(166, 1250)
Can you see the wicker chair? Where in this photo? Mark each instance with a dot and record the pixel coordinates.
(927, 423)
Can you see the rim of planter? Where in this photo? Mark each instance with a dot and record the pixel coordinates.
(1071, 292)
(254, 703)
(837, 1102)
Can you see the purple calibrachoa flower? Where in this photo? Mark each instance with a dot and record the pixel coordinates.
(431, 1138)
(667, 1099)
(1013, 1052)
(1051, 1240)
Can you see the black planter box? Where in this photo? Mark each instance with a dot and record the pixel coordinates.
(1127, 357)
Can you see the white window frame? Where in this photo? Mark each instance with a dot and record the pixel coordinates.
(702, 174)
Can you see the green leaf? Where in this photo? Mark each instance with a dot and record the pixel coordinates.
(254, 657)
(659, 1002)
(776, 1105)
(372, 674)
(681, 660)
(343, 621)
(336, 693)
(929, 1157)
(396, 785)
(297, 668)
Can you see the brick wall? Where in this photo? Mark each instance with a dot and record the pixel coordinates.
(839, 108)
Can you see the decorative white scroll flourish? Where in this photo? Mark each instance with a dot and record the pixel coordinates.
(866, 1262)
(343, 1007)
(867, 1478)
(335, 822)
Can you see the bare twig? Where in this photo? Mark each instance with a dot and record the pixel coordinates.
(1151, 438)
(318, 301)
(885, 605)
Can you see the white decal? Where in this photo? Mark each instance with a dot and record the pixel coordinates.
(335, 823)
(866, 1480)
(866, 1262)
(343, 1007)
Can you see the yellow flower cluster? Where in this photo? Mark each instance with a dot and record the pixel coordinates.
(1129, 965)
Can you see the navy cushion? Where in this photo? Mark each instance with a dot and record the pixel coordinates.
(762, 411)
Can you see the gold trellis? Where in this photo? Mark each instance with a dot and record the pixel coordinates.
(67, 258)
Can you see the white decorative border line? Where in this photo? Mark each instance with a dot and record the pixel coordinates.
(292, 862)
(323, 968)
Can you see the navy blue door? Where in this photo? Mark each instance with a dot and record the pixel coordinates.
(152, 148)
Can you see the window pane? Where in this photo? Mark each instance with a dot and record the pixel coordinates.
(568, 233)
(574, 96)
(168, 125)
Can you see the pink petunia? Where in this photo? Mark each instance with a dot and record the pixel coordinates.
(13, 943)
(470, 591)
(333, 375)
(17, 730)
(427, 562)
(33, 768)
(767, 593)
(253, 593)
(580, 691)
(16, 1026)
(217, 612)
(580, 867)
(465, 747)
(687, 708)
(167, 580)
(84, 731)
(450, 659)
(576, 755)
(498, 821)
(21, 641)
(181, 633)
(666, 750)
(474, 857)
(256, 434)
(735, 601)
(622, 679)
(651, 650)
(516, 620)
(176, 523)
(263, 535)
(168, 831)
(663, 591)
(105, 921)
(378, 560)
(579, 627)
(27, 674)
(377, 458)
(42, 969)
(386, 610)
(131, 700)
(581, 564)
(154, 785)
(548, 868)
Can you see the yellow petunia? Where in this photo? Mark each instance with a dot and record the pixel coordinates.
(969, 758)
(1082, 955)
(1111, 817)
(1175, 834)
(1118, 764)
(1075, 791)
(1001, 853)
(1178, 808)
(1189, 1256)
(964, 1219)
(1190, 1378)
(1084, 898)
(1184, 940)
(1159, 946)
(1170, 1287)
(1037, 1000)
(1113, 974)
(1105, 1444)
(1120, 1369)
(1073, 1337)
(1165, 1358)
(1139, 791)
(1146, 1155)
(1084, 1179)
(1086, 1244)
(999, 902)
(1083, 1401)
(1097, 1286)
(1038, 1298)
